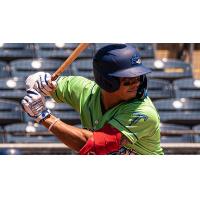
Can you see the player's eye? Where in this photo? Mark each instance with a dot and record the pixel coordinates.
(130, 81)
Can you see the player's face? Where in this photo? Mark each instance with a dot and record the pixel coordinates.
(128, 87)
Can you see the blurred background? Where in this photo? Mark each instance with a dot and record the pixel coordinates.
(174, 87)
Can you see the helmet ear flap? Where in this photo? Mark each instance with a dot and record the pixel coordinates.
(142, 90)
(108, 83)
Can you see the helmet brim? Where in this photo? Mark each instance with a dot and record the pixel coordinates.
(132, 72)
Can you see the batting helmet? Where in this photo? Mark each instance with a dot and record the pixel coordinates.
(119, 60)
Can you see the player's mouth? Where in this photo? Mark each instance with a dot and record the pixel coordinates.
(132, 90)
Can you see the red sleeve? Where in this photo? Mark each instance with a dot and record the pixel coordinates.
(103, 141)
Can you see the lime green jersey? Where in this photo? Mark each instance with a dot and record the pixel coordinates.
(136, 119)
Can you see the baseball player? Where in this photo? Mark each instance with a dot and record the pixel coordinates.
(116, 114)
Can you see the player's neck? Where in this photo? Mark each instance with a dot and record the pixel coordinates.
(109, 100)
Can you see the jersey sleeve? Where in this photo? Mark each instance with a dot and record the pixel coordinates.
(136, 124)
(70, 90)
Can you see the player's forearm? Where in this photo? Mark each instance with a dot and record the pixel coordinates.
(75, 138)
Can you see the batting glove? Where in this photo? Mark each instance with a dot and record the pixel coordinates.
(34, 105)
(41, 82)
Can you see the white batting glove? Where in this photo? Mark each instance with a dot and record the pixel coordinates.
(34, 105)
(41, 82)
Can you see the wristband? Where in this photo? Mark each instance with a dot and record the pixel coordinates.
(50, 127)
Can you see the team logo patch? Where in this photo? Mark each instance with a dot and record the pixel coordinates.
(136, 117)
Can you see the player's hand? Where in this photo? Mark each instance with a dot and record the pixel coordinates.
(34, 105)
(41, 82)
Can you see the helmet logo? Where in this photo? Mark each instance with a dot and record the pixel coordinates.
(139, 61)
(135, 60)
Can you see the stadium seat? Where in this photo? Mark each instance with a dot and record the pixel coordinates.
(11, 51)
(159, 89)
(28, 133)
(12, 88)
(187, 88)
(10, 112)
(100, 45)
(31, 139)
(169, 69)
(24, 67)
(56, 46)
(14, 45)
(2, 135)
(62, 51)
(146, 50)
(181, 148)
(35, 149)
(53, 46)
(83, 67)
(4, 70)
(10, 151)
(64, 112)
(61, 110)
(175, 133)
(9, 55)
(179, 111)
(30, 128)
(196, 129)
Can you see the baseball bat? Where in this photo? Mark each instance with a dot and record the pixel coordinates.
(81, 47)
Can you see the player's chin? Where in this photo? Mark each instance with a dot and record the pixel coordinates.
(130, 95)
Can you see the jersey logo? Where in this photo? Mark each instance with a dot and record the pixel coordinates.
(136, 117)
(124, 151)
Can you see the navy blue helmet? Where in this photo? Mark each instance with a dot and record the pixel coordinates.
(119, 60)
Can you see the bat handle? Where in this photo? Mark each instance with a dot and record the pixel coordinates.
(54, 77)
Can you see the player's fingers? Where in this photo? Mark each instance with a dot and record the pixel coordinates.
(40, 87)
(26, 107)
(45, 85)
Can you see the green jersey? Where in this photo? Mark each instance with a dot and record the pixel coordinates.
(136, 119)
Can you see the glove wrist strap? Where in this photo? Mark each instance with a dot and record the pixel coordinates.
(43, 115)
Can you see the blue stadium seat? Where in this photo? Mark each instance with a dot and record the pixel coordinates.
(83, 67)
(169, 69)
(100, 45)
(24, 67)
(9, 55)
(197, 127)
(10, 151)
(159, 89)
(173, 133)
(65, 113)
(53, 46)
(4, 70)
(12, 88)
(62, 51)
(197, 131)
(14, 45)
(61, 110)
(179, 111)
(2, 135)
(11, 51)
(31, 139)
(28, 133)
(10, 112)
(187, 88)
(30, 128)
(146, 50)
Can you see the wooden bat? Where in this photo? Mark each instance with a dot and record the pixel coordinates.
(81, 47)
